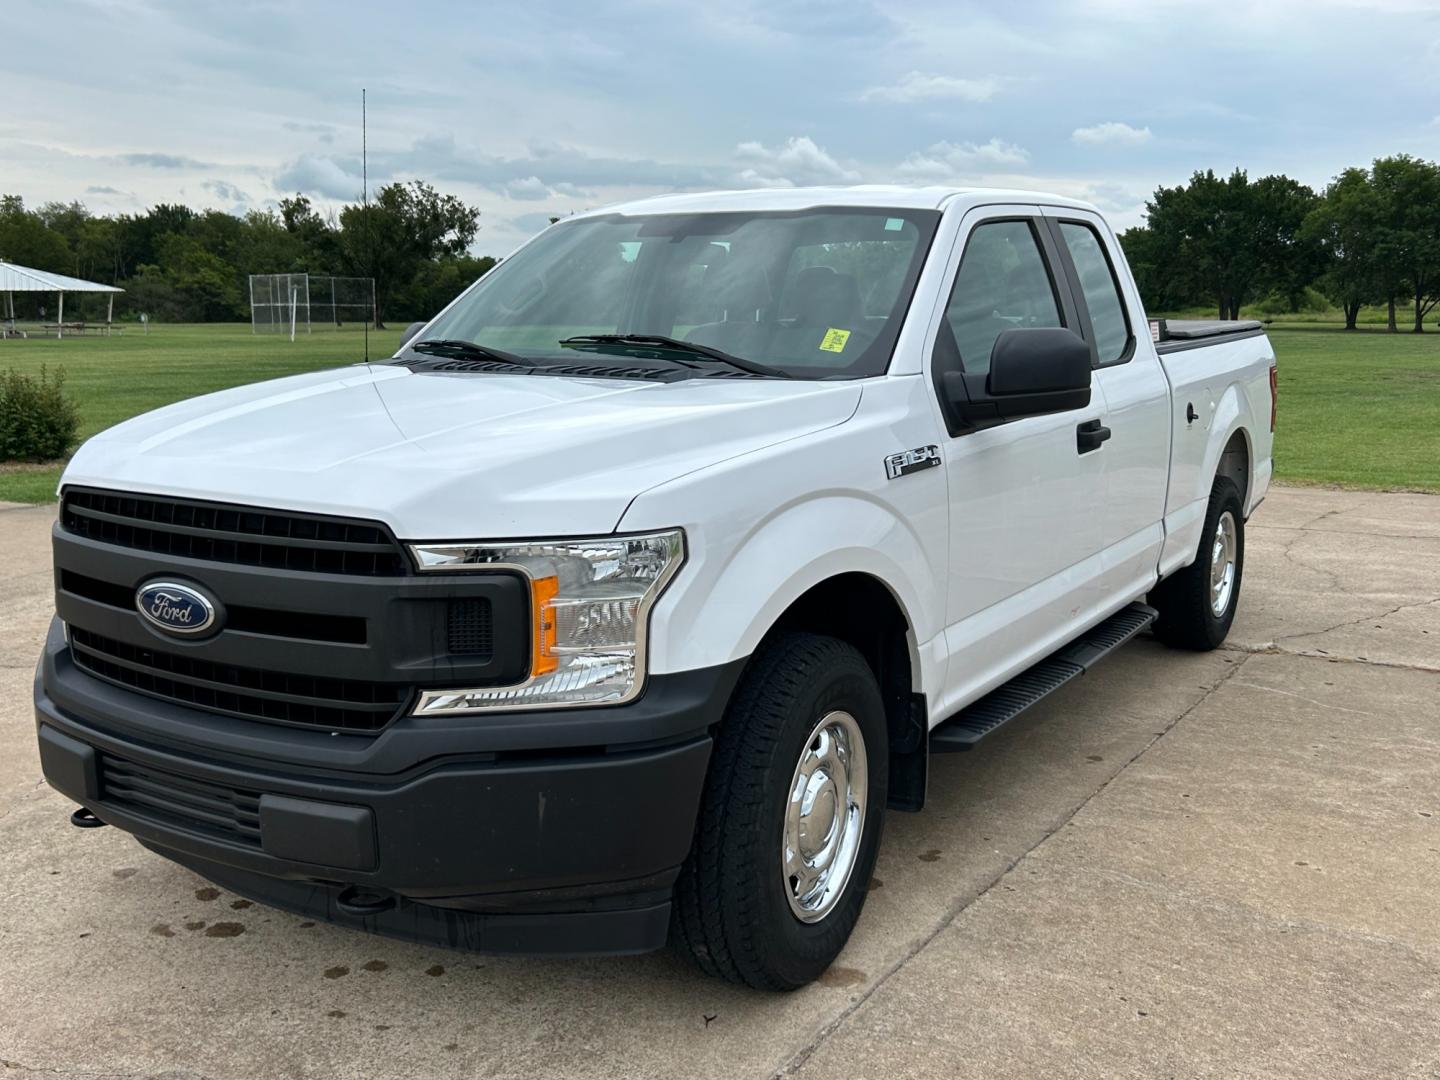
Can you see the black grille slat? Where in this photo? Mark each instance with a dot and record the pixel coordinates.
(270, 622)
(237, 537)
(246, 536)
(195, 793)
(195, 805)
(218, 686)
(252, 693)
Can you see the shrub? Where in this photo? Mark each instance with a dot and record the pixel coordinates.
(38, 420)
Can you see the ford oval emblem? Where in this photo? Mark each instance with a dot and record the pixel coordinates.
(175, 608)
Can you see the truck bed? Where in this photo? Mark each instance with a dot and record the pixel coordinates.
(1177, 335)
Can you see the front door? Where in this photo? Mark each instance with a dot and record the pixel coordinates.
(1025, 503)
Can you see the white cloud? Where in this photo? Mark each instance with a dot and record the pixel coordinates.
(918, 86)
(320, 175)
(798, 162)
(527, 188)
(1111, 133)
(946, 160)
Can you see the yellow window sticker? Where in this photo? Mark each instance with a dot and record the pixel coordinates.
(834, 340)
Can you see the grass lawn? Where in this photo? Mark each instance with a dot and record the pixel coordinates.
(1358, 409)
(115, 378)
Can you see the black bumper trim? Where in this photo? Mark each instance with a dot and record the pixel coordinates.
(480, 843)
(640, 927)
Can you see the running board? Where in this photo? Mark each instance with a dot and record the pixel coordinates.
(1007, 701)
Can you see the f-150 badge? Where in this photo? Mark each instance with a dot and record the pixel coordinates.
(909, 461)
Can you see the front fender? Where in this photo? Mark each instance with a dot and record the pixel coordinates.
(763, 528)
(735, 593)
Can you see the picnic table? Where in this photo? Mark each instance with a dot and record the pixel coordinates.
(83, 328)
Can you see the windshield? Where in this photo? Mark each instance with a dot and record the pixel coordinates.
(814, 293)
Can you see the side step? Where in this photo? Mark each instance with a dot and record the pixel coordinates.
(1008, 700)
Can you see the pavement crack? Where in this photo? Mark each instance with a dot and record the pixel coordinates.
(1288, 554)
(22, 1069)
(797, 1061)
(1270, 648)
(1342, 532)
(1302, 697)
(1357, 621)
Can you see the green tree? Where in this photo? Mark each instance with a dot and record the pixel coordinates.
(1344, 225)
(206, 285)
(1230, 239)
(1408, 233)
(436, 284)
(1162, 287)
(318, 236)
(26, 239)
(405, 227)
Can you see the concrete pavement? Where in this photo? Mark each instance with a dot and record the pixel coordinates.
(1180, 865)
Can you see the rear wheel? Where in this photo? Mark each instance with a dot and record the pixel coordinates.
(790, 822)
(1197, 604)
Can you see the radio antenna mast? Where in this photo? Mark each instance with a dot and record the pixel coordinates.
(365, 204)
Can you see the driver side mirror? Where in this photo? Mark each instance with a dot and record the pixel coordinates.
(1033, 372)
(409, 334)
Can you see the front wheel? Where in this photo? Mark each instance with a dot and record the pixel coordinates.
(790, 821)
(1197, 604)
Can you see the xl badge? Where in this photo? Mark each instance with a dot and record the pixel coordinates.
(175, 608)
(908, 461)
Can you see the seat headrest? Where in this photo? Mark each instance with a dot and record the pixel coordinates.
(739, 286)
(819, 296)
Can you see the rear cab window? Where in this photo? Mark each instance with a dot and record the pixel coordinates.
(1095, 275)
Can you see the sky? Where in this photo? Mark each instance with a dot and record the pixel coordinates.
(539, 108)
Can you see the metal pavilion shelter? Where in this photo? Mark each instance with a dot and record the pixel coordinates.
(15, 279)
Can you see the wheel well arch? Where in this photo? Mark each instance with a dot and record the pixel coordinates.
(860, 609)
(1235, 462)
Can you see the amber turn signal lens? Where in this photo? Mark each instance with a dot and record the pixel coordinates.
(542, 648)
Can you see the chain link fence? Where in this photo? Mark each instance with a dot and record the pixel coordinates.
(299, 303)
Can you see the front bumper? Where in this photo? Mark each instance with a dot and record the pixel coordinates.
(457, 834)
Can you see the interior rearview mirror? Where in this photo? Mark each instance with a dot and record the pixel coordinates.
(1033, 372)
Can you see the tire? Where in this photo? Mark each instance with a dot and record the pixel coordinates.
(735, 912)
(1188, 599)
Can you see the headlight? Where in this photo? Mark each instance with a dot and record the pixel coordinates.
(589, 604)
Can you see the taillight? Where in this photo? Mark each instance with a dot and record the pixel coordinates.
(1274, 394)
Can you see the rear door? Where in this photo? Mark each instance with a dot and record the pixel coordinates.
(1025, 505)
(1135, 457)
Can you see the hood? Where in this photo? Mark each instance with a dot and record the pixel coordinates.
(453, 456)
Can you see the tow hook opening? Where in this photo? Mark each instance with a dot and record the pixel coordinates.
(84, 818)
(359, 900)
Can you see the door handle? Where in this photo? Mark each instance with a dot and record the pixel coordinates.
(1089, 436)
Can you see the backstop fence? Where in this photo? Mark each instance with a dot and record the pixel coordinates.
(292, 303)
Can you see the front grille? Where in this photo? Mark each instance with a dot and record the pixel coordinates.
(216, 532)
(300, 625)
(278, 697)
(194, 805)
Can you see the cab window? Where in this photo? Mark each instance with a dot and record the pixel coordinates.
(1102, 292)
(1002, 284)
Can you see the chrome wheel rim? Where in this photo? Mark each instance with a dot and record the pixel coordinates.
(824, 816)
(1222, 565)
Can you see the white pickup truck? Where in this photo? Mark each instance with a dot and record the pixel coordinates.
(621, 604)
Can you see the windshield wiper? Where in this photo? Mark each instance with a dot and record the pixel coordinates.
(678, 345)
(469, 350)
